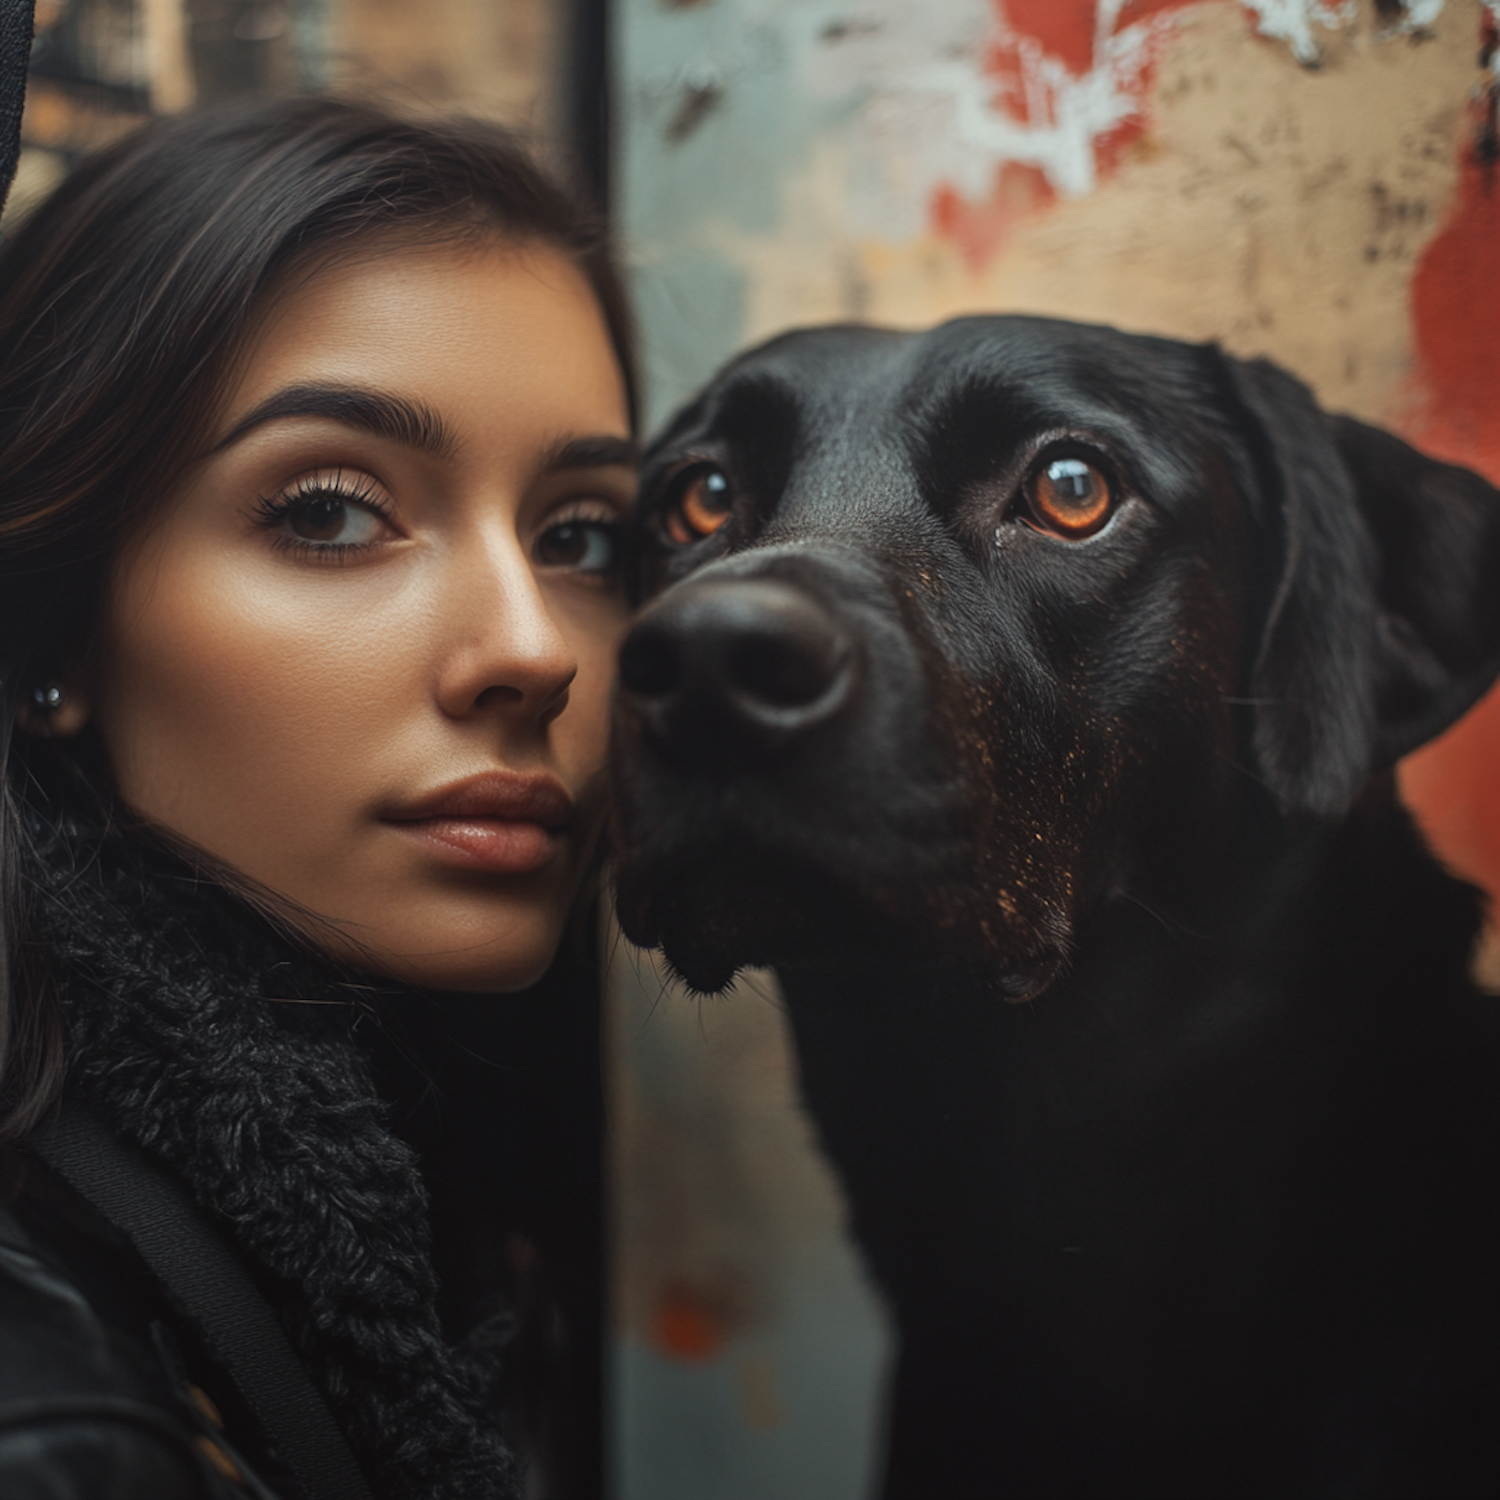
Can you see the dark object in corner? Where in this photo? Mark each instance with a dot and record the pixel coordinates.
(185, 1252)
(15, 54)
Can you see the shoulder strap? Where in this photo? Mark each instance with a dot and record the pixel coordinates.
(187, 1255)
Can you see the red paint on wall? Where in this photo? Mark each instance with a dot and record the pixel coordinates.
(1065, 29)
(1062, 28)
(691, 1323)
(1453, 784)
(1455, 300)
(980, 230)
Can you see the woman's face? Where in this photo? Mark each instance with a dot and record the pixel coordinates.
(364, 653)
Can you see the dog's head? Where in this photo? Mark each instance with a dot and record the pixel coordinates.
(966, 632)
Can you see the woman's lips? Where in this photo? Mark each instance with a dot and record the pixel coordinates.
(499, 823)
(500, 846)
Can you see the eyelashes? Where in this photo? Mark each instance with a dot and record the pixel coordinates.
(334, 517)
(583, 537)
(329, 516)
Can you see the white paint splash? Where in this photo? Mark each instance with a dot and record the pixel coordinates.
(911, 91)
(1422, 13)
(1065, 114)
(1292, 21)
(931, 113)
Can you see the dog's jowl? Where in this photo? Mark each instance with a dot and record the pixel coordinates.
(1027, 695)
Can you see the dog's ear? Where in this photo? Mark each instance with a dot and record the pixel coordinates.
(1380, 571)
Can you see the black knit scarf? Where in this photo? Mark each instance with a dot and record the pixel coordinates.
(184, 1036)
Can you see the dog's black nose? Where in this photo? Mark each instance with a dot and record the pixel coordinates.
(735, 668)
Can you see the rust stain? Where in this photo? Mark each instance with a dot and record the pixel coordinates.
(693, 1321)
(764, 1409)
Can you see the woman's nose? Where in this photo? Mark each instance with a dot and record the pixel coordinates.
(503, 653)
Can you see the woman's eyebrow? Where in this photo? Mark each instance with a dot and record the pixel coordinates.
(395, 417)
(601, 452)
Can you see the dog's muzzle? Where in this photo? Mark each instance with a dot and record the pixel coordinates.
(730, 671)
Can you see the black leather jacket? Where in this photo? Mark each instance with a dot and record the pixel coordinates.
(433, 1329)
(105, 1393)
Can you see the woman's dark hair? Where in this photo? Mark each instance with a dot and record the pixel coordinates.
(124, 302)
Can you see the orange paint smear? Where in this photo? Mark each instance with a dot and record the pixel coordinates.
(980, 230)
(685, 1325)
(1453, 784)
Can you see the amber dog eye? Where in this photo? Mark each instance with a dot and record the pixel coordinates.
(699, 506)
(1069, 497)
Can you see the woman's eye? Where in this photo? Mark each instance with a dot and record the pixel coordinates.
(331, 516)
(1068, 497)
(700, 504)
(583, 545)
(331, 520)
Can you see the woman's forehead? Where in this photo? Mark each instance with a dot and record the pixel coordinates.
(477, 342)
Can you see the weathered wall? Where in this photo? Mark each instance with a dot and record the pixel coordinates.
(1309, 181)
(749, 1349)
(100, 67)
(493, 59)
(1157, 165)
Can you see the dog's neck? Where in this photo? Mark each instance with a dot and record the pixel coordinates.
(1162, 1016)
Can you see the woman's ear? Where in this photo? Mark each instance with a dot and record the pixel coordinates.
(56, 707)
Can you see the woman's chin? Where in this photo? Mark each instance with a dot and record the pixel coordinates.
(500, 967)
(512, 953)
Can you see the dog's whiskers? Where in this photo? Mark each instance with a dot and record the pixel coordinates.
(1170, 924)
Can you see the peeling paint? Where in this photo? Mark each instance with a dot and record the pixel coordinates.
(1292, 22)
(957, 91)
(1407, 17)
(1027, 105)
(949, 105)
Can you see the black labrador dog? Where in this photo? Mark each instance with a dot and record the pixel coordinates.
(1027, 694)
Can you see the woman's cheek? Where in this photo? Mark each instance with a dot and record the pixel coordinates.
(243, 705)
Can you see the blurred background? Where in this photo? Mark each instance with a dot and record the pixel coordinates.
(1312, 180)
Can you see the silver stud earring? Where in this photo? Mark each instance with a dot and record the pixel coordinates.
(48, 698)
